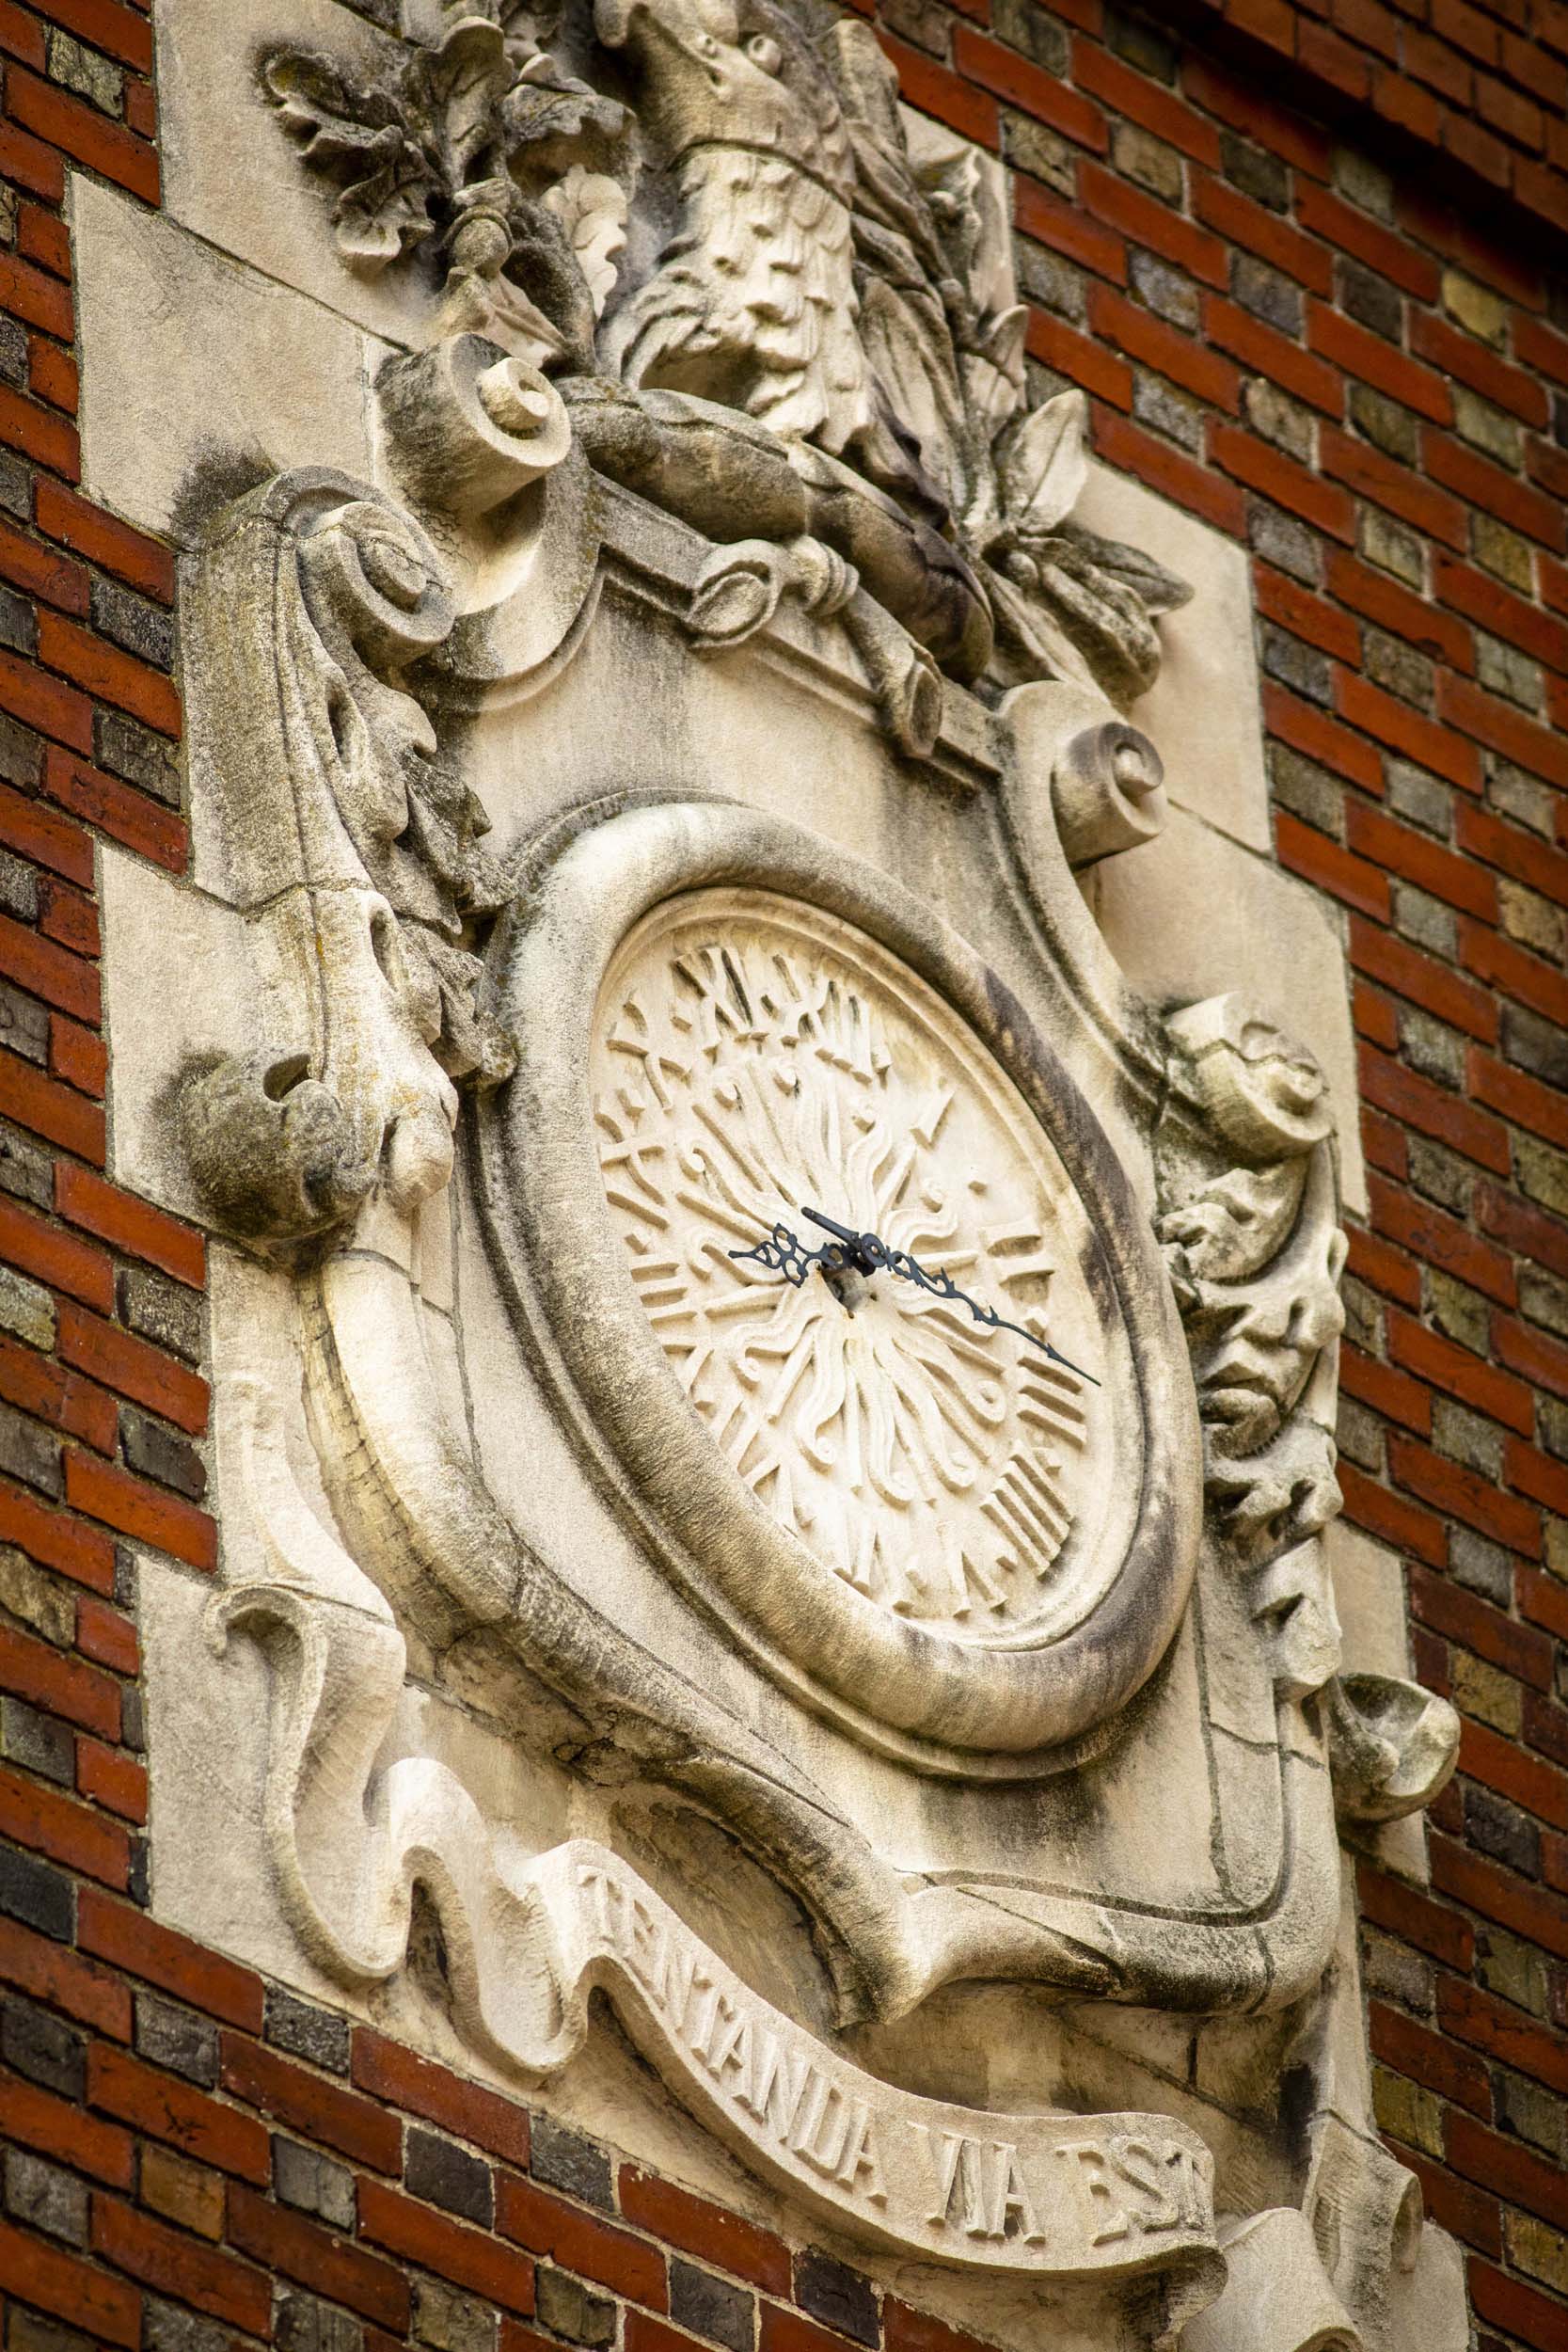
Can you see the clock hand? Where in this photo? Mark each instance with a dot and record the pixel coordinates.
(868, 1251)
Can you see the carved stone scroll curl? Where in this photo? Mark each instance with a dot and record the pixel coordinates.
(1394, 1746)
(356, 851)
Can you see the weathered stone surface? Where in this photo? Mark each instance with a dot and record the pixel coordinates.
(1194, 911)
(199, 376)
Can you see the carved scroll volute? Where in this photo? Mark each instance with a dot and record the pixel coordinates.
(1255, 1253)
(354, 858)
(1249, 1223)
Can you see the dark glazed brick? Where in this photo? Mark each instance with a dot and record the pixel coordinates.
(451, 2321)
(448, 2176)
(1495, 1827)
(712, 2307)
(1371, 300)
(177, 2039)
(564, 2159)
(305, 2178)
(162, 1311)
(16, 486)
(316, 2035)
(1538, 1046)
(159, 1453)
(43, 2049)
(26, 1173)
(18, 628)
(1266, 293)
(302, 2323)
(1142, 46)
(1387, 425)
(19, 889)
(23, 1025)
(129, 621)
(41, 1743)
(1301, 667)
(1258, 174)
(168, 2329)
(29, 2331)
(567, 2308)
(1279, 539)
(21, 755)
(1024, 25)
(135, 752)
(40, 1897)
(839, 2296)
(45, 2198)
(30, 1454)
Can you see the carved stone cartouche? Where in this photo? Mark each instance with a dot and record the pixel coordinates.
(1006, 1677)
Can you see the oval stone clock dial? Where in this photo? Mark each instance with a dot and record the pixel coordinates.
(874, 1482)
(754, 1059)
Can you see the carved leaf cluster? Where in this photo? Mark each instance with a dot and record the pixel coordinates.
(357, 135)
(902, 355)
(482, 128)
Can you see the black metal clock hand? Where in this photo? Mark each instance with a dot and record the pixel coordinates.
(867, 1254)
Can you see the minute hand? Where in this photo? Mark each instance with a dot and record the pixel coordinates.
(870, 1253)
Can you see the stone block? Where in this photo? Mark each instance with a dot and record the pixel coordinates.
(1202, 712)
(201, 377)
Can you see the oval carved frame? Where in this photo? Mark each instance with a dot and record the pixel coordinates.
(940, 1705)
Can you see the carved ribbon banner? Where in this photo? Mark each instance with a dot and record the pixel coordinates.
(1056, 2195)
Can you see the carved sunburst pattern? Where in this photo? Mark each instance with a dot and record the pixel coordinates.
(754, 1058)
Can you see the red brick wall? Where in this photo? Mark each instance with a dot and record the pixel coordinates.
(1321, 339)
(1484, 81)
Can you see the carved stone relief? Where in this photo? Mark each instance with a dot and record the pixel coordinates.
(763, 1321)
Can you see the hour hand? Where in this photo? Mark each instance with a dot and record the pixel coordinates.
(867, 1251)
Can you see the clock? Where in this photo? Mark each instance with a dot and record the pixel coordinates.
(847, 1293)
(754, 1057)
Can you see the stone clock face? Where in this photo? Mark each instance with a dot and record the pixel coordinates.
(751, 1058)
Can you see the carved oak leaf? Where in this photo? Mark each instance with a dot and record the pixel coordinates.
(455, 88)
(592, 210)
(1044, 465)
(358, 136)
(1157, 590)
(993, 369)
(550, 122)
